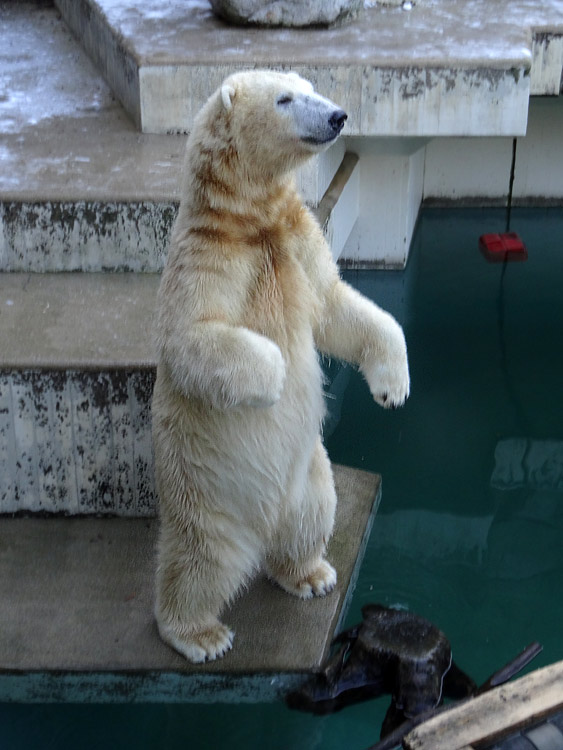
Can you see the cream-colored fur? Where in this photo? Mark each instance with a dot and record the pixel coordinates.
(249, 294)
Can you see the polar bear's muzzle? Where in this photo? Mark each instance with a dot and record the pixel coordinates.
(318, 121)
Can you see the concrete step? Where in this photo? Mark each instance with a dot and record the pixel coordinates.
(77, 366)
(77, 369)
(113, 234)
(76, 378)
(447, 67)
(80, 188)
(76, 619)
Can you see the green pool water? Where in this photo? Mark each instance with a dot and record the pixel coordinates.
(470, 528)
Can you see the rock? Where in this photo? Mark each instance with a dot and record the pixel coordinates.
(287, 12)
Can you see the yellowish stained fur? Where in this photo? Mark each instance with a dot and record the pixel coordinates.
(248, 296)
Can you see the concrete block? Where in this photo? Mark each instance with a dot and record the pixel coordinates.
(547, 64)
(391, 72)
(391, 180)
(382, 102)
(76, 377)
(436, 101)
(76, 614)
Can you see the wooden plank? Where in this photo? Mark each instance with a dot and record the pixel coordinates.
(482, 720)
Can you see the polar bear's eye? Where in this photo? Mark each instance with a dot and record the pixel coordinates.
(284, 99)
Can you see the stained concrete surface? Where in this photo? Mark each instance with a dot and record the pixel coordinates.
(441, 69)
(66, 138)
(70, 321)
(77, 441)
(457, 33)
(76, 378)
(93, 236)
(76, 618)
(64, 135)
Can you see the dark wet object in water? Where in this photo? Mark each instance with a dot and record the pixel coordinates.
(391, 652)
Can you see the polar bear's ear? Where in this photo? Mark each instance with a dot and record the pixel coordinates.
(227, 95)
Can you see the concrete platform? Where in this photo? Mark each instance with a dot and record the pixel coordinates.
(96, 235)
(76, 619)
(72, 321)
(447, 67)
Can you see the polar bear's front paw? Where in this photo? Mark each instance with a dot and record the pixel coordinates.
(389, 385)
(320, 581)
(266, 381)
(199, 646)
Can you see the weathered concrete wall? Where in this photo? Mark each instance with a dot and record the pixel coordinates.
(547, 62)
(470, 170)
(76, 442)
(96, 235)
(84, 236)
(411, 101)
(390, 71)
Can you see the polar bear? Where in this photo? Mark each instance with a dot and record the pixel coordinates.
(249, 296)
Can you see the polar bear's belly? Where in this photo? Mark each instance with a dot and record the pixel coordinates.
(254, 460)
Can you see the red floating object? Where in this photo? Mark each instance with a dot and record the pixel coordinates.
(498, 248)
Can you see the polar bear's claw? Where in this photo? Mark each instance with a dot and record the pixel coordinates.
(319, 582)
(199, 646)
(388, 389)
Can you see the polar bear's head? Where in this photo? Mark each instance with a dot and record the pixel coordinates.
(278, 118)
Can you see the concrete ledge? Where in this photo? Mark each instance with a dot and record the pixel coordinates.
(77, 321)
(65, 139)
(547, 64)
(93, 236)
(76, 379)
(76, 619)
(77, 442)
(118, 235)
(460, 67)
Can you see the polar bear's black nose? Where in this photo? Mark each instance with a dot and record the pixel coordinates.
(337, 120)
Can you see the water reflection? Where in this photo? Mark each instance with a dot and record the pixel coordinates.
(520, 462)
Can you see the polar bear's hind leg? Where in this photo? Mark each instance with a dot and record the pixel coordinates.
(195, 580)
(296, 560)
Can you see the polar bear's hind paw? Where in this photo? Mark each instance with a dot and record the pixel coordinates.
(201, 645)
(318, 582)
